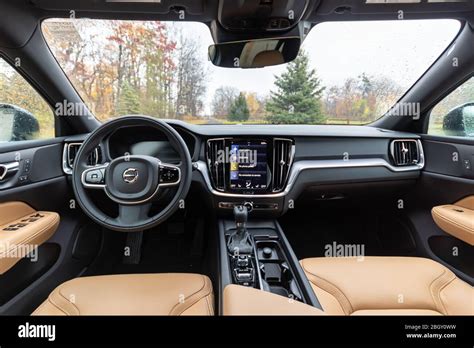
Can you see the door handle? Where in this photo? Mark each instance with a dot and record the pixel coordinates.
(8, 168)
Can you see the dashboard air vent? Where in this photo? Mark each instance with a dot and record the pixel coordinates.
(283, 153)
(405, 152)
(73, 148)
(216, 162)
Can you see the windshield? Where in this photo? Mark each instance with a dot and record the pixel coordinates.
(346, 72)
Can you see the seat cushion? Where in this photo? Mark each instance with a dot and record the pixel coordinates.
(387, 286)
(132, 294)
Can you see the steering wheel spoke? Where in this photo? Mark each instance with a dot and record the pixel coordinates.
(170, 175)
(94, 177)
(133, 214)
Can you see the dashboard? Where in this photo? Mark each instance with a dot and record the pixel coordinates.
(269, 167)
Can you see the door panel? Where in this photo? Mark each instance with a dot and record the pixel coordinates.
(31, 165)
(44, 187)
(448, 177)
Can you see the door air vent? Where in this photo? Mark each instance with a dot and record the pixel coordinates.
(283, 153)
(405, 152)
(216, 163)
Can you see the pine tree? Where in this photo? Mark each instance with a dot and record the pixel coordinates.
(298, 96)
(239, 111)
(129, 103)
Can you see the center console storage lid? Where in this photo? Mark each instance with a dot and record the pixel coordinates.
(241, 300)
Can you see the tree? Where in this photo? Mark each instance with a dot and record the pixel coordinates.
(191, 77)
(297, 99)
(239, 110)
(362, 99)
(224, 98)
(129, 102)
(256, 106)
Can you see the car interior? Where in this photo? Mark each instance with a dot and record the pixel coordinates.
(134, 209)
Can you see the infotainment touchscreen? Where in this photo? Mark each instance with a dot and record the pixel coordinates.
(248, 165)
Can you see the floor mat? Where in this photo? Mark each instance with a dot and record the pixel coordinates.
(169, 248)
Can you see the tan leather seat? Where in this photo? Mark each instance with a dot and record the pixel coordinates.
(388, 286)
(242, 300)
(133, 294)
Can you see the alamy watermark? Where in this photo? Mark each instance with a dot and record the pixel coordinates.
(405, 110)
(345, 250)
(18, 251)
(67, 108)
(243, 156)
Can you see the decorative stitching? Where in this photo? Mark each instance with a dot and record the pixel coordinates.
(435, 289)
(67, 301)
(189, 298)
(436, 292)
(333, 290)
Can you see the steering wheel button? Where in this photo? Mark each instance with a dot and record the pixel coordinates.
(94, 177)
(169, 175)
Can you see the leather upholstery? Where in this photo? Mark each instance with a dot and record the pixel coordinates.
(132, 294)
(241, 300)
(22, 229)
(457, 219)
(387, 286)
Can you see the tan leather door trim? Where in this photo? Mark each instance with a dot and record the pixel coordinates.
(22, 230)
(456, 219)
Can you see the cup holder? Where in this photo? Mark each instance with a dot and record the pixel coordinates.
(275, 273)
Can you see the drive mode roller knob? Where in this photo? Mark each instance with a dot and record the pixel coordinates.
(267, 252)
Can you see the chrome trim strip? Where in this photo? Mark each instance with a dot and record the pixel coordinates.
(9, 168)
(300, 166)
(66, 168)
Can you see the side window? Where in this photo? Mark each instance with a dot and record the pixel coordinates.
(454, 115)
(24, 115)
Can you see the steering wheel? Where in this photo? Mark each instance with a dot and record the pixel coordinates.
(131, 181)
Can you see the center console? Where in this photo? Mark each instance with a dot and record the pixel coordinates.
(257, 254)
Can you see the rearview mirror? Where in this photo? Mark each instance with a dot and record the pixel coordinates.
(460, 121)
(255, 53)
(17, 124)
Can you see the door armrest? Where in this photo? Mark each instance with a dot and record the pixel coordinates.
(456, 219)
(22, 230)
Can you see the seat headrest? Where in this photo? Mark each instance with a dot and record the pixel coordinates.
(267, 58)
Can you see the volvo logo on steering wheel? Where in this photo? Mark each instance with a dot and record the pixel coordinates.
(130, 175)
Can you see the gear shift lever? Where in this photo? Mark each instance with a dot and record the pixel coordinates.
(240, 241)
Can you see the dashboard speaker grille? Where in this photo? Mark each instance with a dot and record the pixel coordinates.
(405, 152)
(283, 153)
(216, 163)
